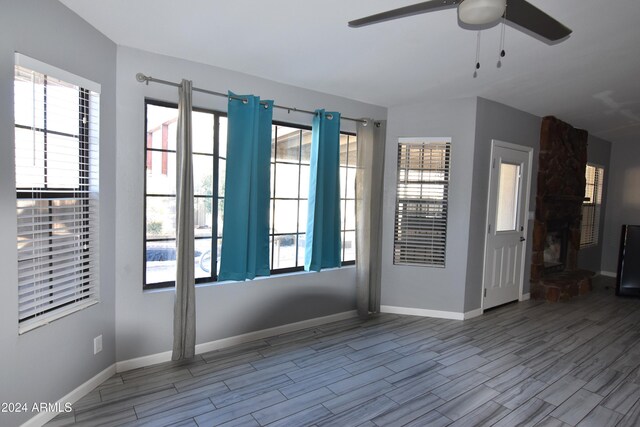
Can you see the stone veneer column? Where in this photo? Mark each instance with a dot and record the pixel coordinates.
(560, 193)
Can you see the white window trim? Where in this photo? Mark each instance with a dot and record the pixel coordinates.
(93, 139)
(50, 70)
(429, 260)
(598, 206)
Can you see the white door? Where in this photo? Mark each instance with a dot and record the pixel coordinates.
(506, 223)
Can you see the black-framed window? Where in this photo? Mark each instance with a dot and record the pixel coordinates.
(290, 158)
(209, 128)
(348, 163)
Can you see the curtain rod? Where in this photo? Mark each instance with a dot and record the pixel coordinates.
(146, 79)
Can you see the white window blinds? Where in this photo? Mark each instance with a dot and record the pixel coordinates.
(56, 159)
(420, 232)
(594, 176)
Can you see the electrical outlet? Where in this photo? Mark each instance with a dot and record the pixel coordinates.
(97, 344)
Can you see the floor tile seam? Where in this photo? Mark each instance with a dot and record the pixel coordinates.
(326, 399)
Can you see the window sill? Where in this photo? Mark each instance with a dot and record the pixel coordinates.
(590, 245)
(257, 279)
(30, 325)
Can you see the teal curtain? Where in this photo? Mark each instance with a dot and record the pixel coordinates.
(323, 222)
(245, 232)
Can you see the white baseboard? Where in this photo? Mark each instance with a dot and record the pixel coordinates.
(473, 313)
(142, 361)
(139, 362)
(278, 330)
(44, 417)
(608, 273)
(525, 297)
(453, 315)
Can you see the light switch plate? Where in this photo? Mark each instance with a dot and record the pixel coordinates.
(97, 344)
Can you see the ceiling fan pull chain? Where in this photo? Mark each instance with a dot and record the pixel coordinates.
(502, 33)
(475, 73)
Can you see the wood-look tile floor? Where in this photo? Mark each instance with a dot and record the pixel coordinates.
(575, 363)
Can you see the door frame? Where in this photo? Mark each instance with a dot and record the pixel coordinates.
(525, 231)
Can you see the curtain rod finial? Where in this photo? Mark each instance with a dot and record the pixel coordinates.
(143, 79)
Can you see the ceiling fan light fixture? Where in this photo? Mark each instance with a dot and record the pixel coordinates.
(480, 12)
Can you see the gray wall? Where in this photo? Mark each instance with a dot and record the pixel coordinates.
(495, 121)
(623, 202)
(431, 288)
(143, 319)
(598, 153)
(46, 363)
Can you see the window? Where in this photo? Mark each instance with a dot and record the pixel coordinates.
(420, 231)
(508, 194)
(348, 162)
(56, 160)
(209, 154)
(290, 158)
(594, 176)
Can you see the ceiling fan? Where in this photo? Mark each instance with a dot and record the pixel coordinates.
(480, 12)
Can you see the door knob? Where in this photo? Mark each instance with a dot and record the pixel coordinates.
(522, 239)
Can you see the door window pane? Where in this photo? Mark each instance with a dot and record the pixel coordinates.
(508, 192)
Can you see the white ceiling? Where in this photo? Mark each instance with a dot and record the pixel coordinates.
(591, 79)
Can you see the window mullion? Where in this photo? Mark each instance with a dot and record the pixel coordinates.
(216, 197)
